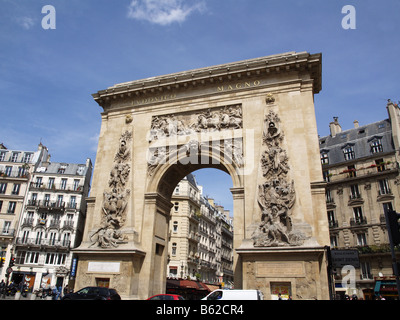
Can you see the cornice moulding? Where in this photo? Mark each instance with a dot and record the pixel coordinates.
(217, 74)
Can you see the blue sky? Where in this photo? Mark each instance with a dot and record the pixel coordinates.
(47, 76)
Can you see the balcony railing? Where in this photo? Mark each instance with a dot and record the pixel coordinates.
(37, 242)
(57, 186)
(358, 221)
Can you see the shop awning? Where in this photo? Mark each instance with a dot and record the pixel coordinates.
(212, 287)
(172, 283)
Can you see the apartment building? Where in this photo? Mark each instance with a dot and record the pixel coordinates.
(16, 167)
(361, 169)
(201, 237)
(51, 224)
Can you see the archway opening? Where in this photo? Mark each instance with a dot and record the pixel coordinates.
(200, 246)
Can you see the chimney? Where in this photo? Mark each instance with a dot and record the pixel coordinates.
(356, 124)
(335, 127)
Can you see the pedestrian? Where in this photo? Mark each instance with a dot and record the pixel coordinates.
(279, 296)
(2, 286)
(65, 290)
(381, 297)
(54, 293)
(59, 291)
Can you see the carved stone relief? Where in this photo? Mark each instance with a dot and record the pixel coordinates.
(115, 200)
(192, 125)
(216, 119)
(276, 195)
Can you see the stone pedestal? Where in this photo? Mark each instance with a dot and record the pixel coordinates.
(302, 270)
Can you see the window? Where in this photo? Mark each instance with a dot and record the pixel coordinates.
(63, 184)
(14, 156)
(380, 165)
(60, 202)
(32, 257)
(384, 187)
(176, 206)
(11, 207)
(46, 200)
(55, 258)
(176, 189)
(328, 196)
(331, 219)
(348, 153)
(27, 157)
(361, 239)
(2, 156)
(21, 172)
(354, 192)
(334, 241)
(39, 236)
(376, 146)
(175, 226)
(387, 206)
(72, 202)
(8, 171)
(324, 158)
(174, 249)
(3, 188)
(16, 188)
(6, 227)
(365, 270)
(76, 184)
(51, 183)
(62, 168)
(52, 239)
(358, 216)
(352, 172)
(25, 237)
(66, 239)
(38, 183)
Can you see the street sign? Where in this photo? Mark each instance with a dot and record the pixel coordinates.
(341, 258)
(9, 270)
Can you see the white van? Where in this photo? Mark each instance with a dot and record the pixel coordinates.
(221, 294)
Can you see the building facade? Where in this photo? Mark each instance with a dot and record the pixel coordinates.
(361, 170)
(201, 237)
(16, 169)
(51, 223)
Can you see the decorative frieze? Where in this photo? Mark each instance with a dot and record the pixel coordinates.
(216, 119)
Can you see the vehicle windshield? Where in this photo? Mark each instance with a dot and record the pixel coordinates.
(83, 291)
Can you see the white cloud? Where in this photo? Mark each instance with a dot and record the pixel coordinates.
(26, 22)
(163, 12)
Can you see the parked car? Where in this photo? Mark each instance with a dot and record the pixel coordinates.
(166, 297)
(93, 293)
(237, 294)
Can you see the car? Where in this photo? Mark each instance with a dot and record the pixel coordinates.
(236, 294)
(93, 293)
(166, 297)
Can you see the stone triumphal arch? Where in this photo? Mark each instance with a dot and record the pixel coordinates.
(255, 120)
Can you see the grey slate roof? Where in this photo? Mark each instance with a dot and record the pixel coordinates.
(360, 139)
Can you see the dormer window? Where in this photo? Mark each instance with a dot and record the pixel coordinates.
(348, 152)
(376, 146)
(324, 158)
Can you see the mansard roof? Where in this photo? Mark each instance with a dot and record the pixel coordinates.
(360, 139)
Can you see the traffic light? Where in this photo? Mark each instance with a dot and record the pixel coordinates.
(12, 261)
(392, 223)
(2, 262)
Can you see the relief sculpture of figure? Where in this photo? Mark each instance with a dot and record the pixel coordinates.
(276, 195)
(115, 201)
